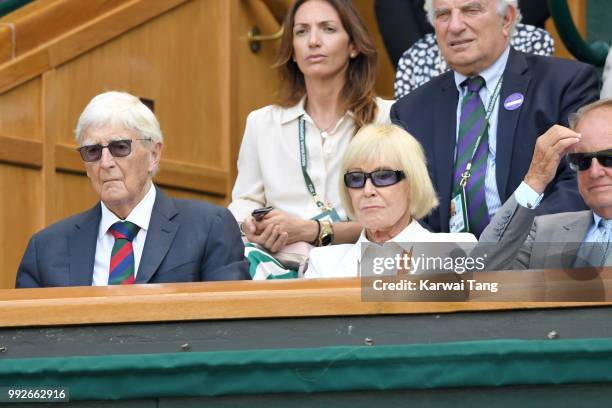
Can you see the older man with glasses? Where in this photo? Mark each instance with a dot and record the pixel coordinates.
(569, 239)
(135, 234)
(479, 122)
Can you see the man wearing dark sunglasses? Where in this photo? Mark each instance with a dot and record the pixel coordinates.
(563, 240)
(135, 234)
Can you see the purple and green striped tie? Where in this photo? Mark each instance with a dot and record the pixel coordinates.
(471, 124)
(121, 270)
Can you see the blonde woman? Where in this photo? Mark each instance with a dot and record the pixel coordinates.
(386, 188)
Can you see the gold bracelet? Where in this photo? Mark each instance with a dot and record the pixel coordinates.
(326, 234)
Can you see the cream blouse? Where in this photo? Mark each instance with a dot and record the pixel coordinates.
(269, 172)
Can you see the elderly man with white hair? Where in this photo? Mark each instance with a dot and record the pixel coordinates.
(135, 234)
(479, 122)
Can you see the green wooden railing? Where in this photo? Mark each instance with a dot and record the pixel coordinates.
(486, 363)
(593, 53)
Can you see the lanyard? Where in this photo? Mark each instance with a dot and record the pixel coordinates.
(304, 164)
(467, 173)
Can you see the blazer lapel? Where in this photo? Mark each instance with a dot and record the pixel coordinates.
(444, 134)
(565, 244)
(575, 230)
(574, 233)
(82, 248)
(516, 80)
(160, 235)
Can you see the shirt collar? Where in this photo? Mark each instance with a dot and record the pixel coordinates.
(491, 75)
(596, 219)
(294, 112)
(140, 215)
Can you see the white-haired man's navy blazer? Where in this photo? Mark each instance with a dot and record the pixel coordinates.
(552, 88)
(187, 241)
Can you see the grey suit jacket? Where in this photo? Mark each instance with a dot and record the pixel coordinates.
(520, 240)
(187, 241)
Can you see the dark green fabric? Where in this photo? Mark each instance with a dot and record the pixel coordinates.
(6, 6)
(419, 366)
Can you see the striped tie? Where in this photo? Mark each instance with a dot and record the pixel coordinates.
(471, 123)
(121, 270)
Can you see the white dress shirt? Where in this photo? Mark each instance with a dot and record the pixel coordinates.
(140, 215)
(491, 75)
(269, 171)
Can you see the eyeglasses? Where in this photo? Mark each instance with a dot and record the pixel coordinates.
(117, 148)
(380, 178)
(582, 161)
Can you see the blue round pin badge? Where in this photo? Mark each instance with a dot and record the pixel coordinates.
(514, 101)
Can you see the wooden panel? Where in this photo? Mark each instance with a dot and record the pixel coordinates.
(278, 8)
(48, 171)
(192, 195)
(21, 216)
(81, 39)
(68, 159)
(578, 9)
(254, 65)
(227, 300)
(7, 45)
(34, 7)
(43, 20)
(20, 151)
(189, 176)
(229, 122)
(167, 60)
(20, 111)
(73, 194)
(386, 71)
(245, 94)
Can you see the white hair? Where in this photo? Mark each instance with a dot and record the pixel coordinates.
(575, 118)
(502, 7)
(120, 109)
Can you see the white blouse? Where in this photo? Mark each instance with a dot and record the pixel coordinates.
(342, 261)
(269, 171)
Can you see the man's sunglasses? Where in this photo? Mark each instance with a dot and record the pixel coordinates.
(582, 161)
(380, 178)
(117, 148)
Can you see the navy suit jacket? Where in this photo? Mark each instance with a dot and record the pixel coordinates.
(552, 88)
(187, 241)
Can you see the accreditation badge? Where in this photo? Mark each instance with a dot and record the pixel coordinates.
(329, 215)
(458, 213)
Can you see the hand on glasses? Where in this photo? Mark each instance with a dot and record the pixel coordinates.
(549, 150)
(117, 148)
(380, 178)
